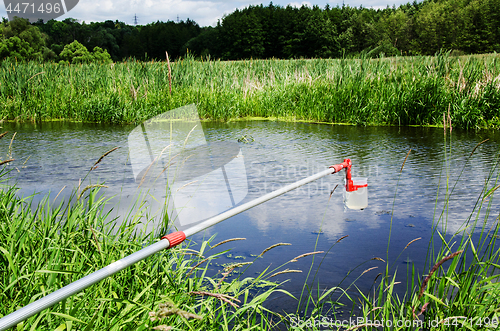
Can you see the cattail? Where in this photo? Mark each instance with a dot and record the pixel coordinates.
(225, 274)
(389, 286)
(26, 160)
(222, 297)
(478, 146)
(10, 145)
(411, 242)
(191, 250)
(59, 193)
(237, 265)
(449, 118)
(341, 238)
(88, 187)
(133, 91)
(378, 275)
(434, 268)
(102, 157)
(402, 166)
(169, 74)
(333, 191)
(95, 239)
(369, 269)
(6, 161)
(196, 266)
(286, 271)
(378, 259)
(152, 163)
(183, 186)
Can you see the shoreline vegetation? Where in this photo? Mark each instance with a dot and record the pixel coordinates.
(49, 246)
(399, 91)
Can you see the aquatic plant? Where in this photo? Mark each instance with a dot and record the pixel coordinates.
(383, 91)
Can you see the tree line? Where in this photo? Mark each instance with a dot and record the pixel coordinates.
(418, 28)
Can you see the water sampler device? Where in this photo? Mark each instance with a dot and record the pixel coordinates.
(356, 189)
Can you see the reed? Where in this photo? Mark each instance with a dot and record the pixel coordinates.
(273, 246)
(384, 91)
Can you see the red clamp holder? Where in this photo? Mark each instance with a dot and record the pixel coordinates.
(349, 184)
(344, 165)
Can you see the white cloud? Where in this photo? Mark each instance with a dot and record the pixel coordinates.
(298, 5)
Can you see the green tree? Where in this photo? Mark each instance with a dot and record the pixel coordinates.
(394, 30)
(23, 41)
(206, 43)
(14, 48)
(100, 55)
(243, 35)
(77, 53)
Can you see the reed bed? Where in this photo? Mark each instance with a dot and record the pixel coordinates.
(384, 91)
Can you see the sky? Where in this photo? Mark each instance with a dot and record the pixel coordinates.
(204, 12)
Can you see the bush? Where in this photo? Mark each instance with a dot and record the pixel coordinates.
(77, 53)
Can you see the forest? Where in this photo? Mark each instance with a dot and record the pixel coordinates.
(265, 32)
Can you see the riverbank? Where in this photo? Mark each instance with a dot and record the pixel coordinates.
(388, 91)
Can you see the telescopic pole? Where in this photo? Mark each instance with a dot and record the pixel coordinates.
(167, 241)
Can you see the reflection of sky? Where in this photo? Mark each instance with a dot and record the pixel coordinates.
(377, 155)
(281, 154)
(170, 150)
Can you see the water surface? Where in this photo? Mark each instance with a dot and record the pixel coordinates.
(311, 218)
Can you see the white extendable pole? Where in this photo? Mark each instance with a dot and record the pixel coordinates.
(79, 285)
(221, 217)
(168, 241)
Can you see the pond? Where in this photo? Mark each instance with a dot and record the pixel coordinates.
(56, 155)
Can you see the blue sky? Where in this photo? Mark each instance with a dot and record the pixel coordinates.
(204, 12)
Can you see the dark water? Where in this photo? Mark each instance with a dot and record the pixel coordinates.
(276, 154)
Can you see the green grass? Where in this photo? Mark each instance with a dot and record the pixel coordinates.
(386, 91)
(47, 247)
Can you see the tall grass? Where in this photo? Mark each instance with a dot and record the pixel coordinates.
(47, 247)
(392, 91)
